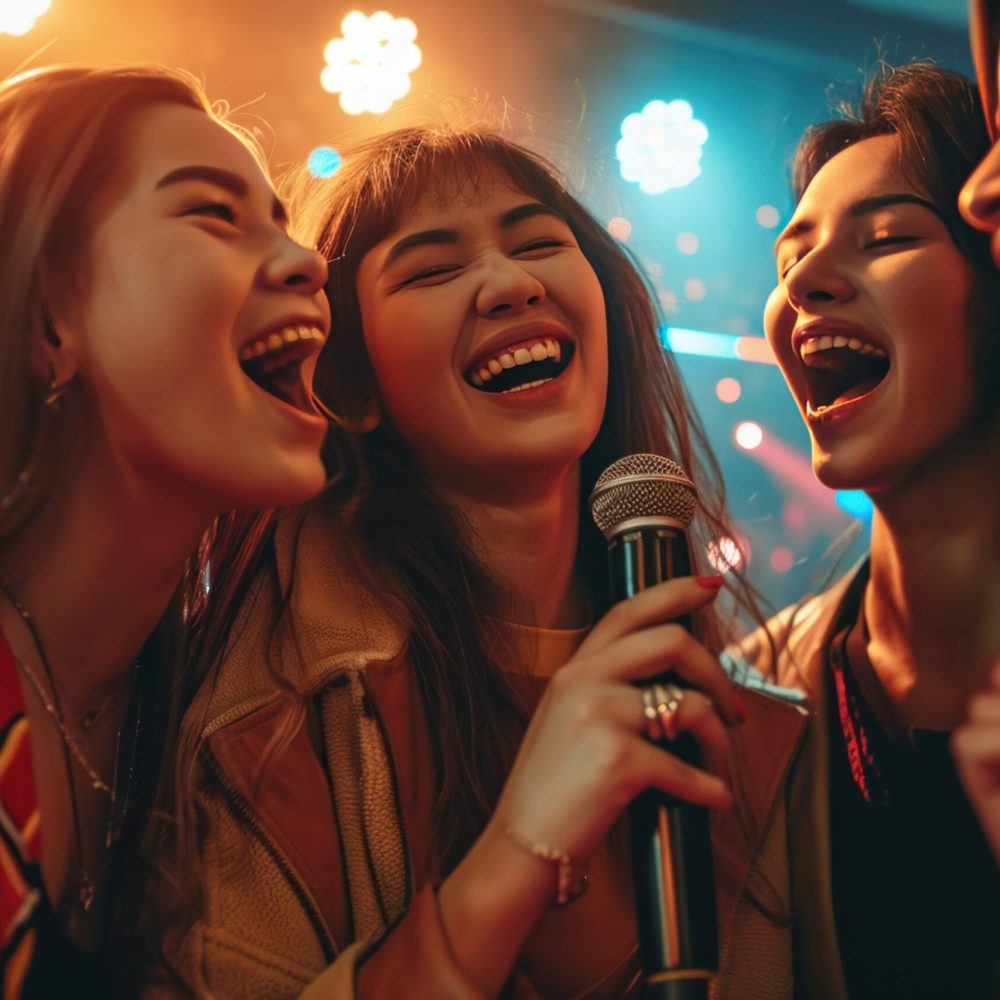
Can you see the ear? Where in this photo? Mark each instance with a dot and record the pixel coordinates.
(52, 357)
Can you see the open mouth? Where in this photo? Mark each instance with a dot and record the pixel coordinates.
(839, 369)
(274, 362)
(521, 366)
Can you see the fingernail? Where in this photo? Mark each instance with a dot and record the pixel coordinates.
(709, 582)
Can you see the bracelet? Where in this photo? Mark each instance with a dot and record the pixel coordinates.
(566, 890)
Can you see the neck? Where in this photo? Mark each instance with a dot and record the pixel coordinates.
(96, 569)
(529, 542)
(934, 588)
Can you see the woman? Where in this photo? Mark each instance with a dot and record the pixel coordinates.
(976, 744)
(158, 325)
(497, 350)
(884, 325)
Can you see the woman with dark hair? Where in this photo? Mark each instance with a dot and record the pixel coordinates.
(146, 272)
(417, 744)
(872, 875)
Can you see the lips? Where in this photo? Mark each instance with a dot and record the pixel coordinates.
(520, 364)
(273, 361)
(841, 364)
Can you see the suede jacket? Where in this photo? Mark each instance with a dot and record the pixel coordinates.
(305, 861)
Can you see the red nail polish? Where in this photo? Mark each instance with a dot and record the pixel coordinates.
(709, 582)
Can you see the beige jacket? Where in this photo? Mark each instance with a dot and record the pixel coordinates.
(772, 852)
(309, 858)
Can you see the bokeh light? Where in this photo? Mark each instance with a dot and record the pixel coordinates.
(370, 65)
(18, 17)
(767, 216)
(781, 559)
(688, 243)
(728, 389)
(660, 146)
(725, 554)
(748, 435)
(794, 516)
(324, 161)
(694, 289)
(620, 228)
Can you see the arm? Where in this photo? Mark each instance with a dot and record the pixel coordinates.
(583, 758)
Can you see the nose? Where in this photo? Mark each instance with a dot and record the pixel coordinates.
(295, 268)
(979, 201)
(817, 278)
(507, 288)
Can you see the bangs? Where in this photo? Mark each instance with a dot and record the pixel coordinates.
(449, 166)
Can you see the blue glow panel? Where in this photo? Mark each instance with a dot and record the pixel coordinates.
(323, 161)
(708, 345)
(856, 503)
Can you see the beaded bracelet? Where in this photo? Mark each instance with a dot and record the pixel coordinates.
(566, 890)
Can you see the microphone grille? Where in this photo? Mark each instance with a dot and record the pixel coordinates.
(642, 486)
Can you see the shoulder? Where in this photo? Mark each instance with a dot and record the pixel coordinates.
(307, 616)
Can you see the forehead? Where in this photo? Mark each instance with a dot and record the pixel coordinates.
(452, 195)
(163, 137)
(863, 170)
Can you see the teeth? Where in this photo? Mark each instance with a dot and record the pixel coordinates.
(826, 342)
(278, 339)
(527, 385)
(539, 351)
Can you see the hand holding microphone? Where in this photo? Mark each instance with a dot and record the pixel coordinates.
(643, 505)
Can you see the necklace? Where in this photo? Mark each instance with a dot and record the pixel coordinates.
(88, 884)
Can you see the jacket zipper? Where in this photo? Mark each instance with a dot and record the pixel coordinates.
(242, 808)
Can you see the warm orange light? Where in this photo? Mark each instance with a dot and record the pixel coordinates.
(17, 17)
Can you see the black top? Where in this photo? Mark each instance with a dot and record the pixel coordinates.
(916, 889)
(59, 968)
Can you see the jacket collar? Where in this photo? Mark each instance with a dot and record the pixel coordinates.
(333, 623)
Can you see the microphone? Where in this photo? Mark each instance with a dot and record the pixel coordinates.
(643, 505)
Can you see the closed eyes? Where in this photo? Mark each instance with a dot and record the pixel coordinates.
(214, 209)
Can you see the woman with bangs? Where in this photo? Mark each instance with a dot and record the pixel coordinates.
(406, 766)
(872, 876)
(144, 259)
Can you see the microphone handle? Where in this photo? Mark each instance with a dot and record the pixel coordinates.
(672, 868)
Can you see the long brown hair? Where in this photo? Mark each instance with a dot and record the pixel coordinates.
(60, 142)
(428, 561)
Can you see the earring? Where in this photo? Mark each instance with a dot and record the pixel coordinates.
(56, 392)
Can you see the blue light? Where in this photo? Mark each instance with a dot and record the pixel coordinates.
(856, 503)
(708, 345)
(323, 161)
(660, 146)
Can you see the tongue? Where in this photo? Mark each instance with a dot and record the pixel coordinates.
(857, 391)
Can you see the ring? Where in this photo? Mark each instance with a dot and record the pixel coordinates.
(668, 698)
(650, 709)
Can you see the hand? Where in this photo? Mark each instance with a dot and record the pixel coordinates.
(584, 756)
(975, 746)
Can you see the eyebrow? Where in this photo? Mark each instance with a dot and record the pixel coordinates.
(225, 179)
(863, 207)
(449, 237)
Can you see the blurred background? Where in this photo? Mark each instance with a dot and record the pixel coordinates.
(674, 119)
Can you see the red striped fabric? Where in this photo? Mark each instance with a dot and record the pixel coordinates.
(20, 833)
